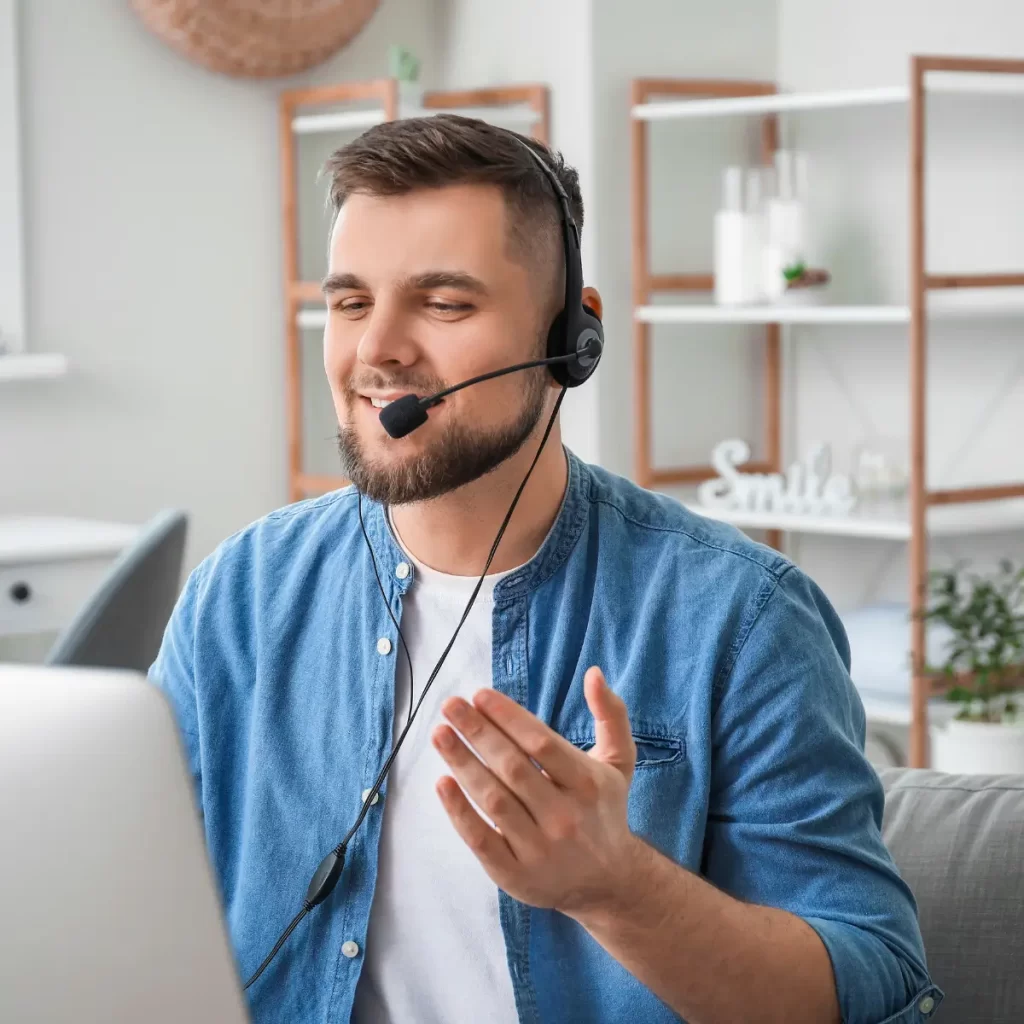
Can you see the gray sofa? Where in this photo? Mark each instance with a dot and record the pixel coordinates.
(959, 842)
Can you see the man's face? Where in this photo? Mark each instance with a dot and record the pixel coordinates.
(423, 293)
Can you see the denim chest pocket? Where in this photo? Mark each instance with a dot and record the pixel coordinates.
(653, 749)
(657, 752)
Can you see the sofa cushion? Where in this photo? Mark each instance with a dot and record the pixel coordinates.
(959, 843)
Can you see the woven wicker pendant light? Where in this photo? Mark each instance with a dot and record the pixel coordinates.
(256, 38)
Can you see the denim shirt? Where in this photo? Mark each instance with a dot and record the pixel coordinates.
(734, 668)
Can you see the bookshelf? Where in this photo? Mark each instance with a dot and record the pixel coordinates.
(927, 513)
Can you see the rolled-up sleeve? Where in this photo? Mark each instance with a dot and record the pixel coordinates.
(795, 809)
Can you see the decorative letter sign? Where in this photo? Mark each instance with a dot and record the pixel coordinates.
(808, 489)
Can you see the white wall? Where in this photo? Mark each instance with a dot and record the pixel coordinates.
(153, 244)
(846, 384)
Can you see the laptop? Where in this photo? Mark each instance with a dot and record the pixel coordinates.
(109, 911)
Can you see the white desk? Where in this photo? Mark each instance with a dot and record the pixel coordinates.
(49, 567)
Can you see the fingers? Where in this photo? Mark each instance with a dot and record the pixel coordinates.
(505, 758)
(562, 762)
(491, 849)
(613, 735)
(488, 792)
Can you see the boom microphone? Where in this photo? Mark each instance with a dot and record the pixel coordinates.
(407, 413)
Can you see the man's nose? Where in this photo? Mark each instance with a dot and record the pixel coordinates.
(387, 341)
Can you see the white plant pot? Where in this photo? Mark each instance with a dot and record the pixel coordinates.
(978, 748)
(410, 99)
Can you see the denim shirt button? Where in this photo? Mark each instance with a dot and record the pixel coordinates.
(350, 949)
(926, 1005)
(383, 645)
(402, 570)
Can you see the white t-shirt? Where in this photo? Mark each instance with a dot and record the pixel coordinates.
(434, 948)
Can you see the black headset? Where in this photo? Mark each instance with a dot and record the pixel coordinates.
(577, 329)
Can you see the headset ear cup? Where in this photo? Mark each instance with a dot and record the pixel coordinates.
(581, 328)
(589, 310)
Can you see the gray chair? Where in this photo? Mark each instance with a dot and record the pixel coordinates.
(958, 841)
(123, 623)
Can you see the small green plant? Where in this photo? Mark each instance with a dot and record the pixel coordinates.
(795, 271)
(985, 618)
(403, 63)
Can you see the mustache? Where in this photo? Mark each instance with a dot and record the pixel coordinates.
(380, 382)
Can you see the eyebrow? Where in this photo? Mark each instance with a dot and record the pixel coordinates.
(420, 282)
(446, 279)
(342, 282)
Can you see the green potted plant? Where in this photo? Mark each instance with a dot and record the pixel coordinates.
(983, 616)
(404, 66)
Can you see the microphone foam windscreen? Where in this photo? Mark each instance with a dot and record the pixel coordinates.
(403, 416)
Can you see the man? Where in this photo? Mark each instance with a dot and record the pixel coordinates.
(636, 790)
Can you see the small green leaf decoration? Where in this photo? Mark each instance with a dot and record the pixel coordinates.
(403, 63)
(797, 270)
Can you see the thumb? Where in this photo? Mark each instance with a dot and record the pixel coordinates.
(613, 738)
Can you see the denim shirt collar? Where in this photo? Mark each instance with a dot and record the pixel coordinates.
(549, 559)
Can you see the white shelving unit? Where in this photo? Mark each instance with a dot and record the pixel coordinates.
(927, 513)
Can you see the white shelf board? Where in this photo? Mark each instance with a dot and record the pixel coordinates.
(960, 304)
(32, 366)
(353, 120)
(776, 103)
(339, 121)
(881, 523)
(970, 83)
(312, 319)
(779, 314)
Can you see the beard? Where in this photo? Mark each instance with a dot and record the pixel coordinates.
(463, 453)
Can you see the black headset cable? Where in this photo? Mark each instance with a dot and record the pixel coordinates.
(326, 876)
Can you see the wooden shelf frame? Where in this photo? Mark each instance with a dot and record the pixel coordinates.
(924, 685)
(646, 284)
(299, 293)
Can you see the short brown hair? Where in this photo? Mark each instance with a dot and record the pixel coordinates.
(398, 157)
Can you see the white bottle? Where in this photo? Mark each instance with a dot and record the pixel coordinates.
(730, 239)
(756, 236)
(785, 246)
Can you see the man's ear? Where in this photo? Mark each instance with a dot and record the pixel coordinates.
(592, 298)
